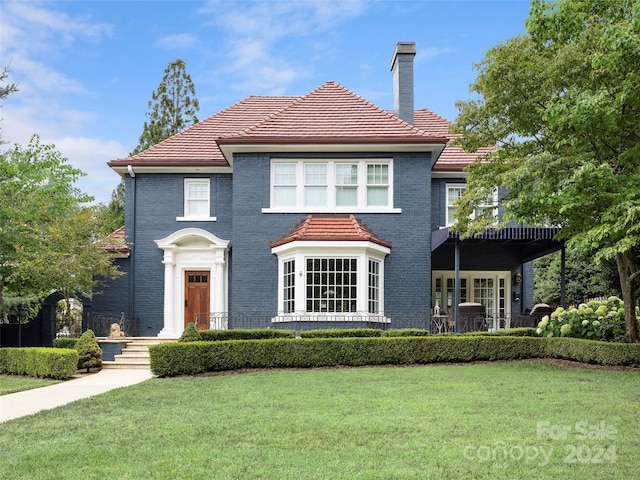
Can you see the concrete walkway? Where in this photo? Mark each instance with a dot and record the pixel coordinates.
(32, 401)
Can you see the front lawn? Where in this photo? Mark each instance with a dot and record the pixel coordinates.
(18, 383)
(505, 420)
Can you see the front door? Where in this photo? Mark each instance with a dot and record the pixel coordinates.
(197, 294)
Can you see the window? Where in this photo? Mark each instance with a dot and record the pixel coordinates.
(454, 192)
(488, 288)
(197, 200)
(331, 186)
(332, 284)
(333, 281)
(289, 286)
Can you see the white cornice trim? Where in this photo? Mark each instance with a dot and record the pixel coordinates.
(159, 169)
(451, 174)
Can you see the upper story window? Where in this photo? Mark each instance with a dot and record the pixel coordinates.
(332, 186)
(197, 204)
(454, 192)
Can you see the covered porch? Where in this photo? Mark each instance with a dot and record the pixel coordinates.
(486, 282)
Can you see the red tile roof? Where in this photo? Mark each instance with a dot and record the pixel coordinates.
(332, 114)
(330, 228)
(116, 243)
(196, 146)
(452, 158)
(329, 114)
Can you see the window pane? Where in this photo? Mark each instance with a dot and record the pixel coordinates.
(346, 174)
(315, 174)
(197, 208)
(377, 196)
(284, 174)
(284, 196)
(378, 174)
(346, 196)
(197, 199)
(289, 286)
(315, 196)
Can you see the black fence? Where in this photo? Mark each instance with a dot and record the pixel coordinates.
(101, 323)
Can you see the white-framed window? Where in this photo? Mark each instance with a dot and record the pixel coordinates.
(330, 280)
(197, 200)
(488, 288)
(337, 185)
(455, 191)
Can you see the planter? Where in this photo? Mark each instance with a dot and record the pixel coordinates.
(111, 348)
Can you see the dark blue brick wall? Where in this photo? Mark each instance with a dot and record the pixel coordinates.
(112, 295)
(407, 268)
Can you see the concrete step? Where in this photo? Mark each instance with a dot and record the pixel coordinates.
(108, 364)
(136, 353)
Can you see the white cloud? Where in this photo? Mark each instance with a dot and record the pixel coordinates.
(431, 52)
(177, 41)
(256, 33)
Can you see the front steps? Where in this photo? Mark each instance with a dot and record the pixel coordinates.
(136, 353)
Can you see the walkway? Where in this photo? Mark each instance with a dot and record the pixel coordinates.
(28, 402)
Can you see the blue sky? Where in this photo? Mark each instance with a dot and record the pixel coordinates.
(86, 69)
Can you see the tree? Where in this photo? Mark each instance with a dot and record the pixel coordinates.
(112, 215)
(6, 88)
(562, 103)
(584, 278)
(89, 351)
(48, 240)
(172, 108)
(74, 257)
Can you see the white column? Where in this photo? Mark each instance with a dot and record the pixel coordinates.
(170, 329)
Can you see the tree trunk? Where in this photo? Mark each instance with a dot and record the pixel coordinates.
(628, 273)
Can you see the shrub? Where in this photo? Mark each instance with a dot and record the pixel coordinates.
(341, 333)
(58, 363)
(245, 334)
(89, 351)
(506, 332)
(190, 334)
(65, 343)
(597, 320)
(405, 332)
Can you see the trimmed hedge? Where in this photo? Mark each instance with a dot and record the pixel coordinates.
(507, 332)
(247, 334)
(65, 343)
(58, 363)
(405, 332)
(172, 359)
(341, 333)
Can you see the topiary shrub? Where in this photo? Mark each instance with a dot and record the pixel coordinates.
(89, 351)
(190, 334)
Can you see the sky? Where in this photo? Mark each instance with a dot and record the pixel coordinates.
(86, 69)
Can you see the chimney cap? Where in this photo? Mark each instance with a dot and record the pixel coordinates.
(403, 48)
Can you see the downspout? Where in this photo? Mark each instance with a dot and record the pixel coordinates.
(131, 233)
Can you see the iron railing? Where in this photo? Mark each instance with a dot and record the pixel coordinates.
(101, 323)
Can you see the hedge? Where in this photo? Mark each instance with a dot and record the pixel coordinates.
(248, 334)
(58, 363)
(507, 332)
(65, 342)
(341, 333)
(172, 359)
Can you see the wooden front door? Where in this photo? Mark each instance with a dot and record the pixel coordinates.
(197, 294)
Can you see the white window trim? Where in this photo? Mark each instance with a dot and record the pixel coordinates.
(331, 207)
(449, 222)
(195, 218)
(301, 251)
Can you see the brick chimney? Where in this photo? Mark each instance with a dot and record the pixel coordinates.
(402, 68)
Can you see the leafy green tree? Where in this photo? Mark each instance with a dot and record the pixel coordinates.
(562, 103)
(172, 108)
(584, 278)
(6, 88)
(89, 351)
(36, 184)
(112, 215)
(74, 256)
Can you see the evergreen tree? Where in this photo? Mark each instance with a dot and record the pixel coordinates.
(172, 108)
(89, 351)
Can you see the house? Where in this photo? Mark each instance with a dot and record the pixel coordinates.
(311, 211)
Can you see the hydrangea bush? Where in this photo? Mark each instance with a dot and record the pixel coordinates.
(597, 320)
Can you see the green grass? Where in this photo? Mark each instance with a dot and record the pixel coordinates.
(18, 383)
(422, 422)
